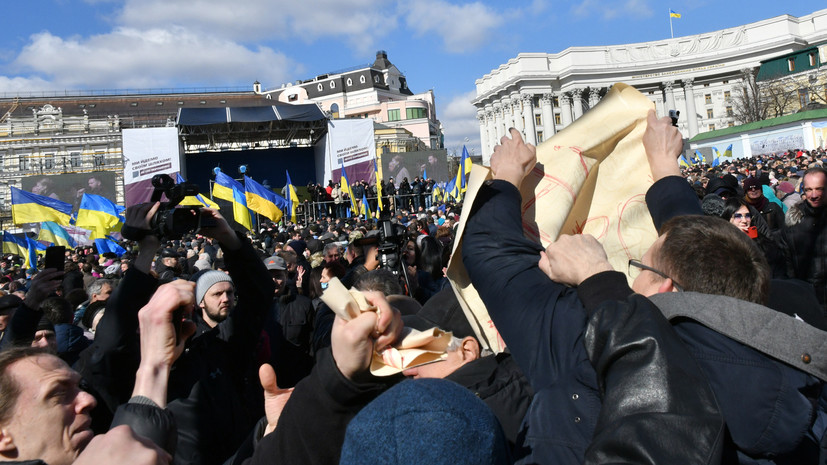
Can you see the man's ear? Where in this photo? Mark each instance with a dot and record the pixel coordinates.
(470, 349)
(666, 286)
(7, 448)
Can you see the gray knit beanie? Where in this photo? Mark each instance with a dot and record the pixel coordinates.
(204, 280)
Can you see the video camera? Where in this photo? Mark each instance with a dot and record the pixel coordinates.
(169, 222)
(392, 237)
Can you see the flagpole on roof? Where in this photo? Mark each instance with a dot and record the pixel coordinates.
(671, 31)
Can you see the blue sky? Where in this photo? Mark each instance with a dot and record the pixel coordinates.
(438, 44)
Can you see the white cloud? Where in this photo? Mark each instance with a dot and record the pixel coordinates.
(609, 10)
(459, 120)
(130, 58)
(359, 22)
(462, 28)
(23, 85)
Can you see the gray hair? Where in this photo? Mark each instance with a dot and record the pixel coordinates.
(97, 285)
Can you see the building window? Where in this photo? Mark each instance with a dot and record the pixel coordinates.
(361, 79)
(320, 87)
(708, 99)
(556, 102)
(133, 104)
(557, 119)
(725, 82)
(220, 101)
(711, 127)
(23, 163)
(376, 79)
(803, 97)
(709, 113)
(730, 124)
(292, 97)
(813, 59)
(729, 111)
(539, 136)
(393, 115)
(74, 159)
(538, 120)
(727, 96)
(334, 110)
(49, 161)
(536, 101)
(415, 113)
(791, 64)
(100, 159)
(160, 104)
(203, 102)
(82, 105)
(706, 85)
(349, 82)
(332, 84)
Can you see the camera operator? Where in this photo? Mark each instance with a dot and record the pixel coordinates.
(213, 388)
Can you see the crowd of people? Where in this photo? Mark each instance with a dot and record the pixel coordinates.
(217, 347)
(414, 195)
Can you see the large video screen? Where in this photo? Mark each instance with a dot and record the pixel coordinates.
(430, 163)
(69, 187)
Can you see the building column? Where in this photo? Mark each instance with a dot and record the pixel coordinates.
(565, 109)
(516, 103)
(508, 113)
(692, 116)
(547, 106)
(491, 123)
(670, 97)
(594, 97)
(498, 120)
(577, 101)
(528, 114)
(483, 134)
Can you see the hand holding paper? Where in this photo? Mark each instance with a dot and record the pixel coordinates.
(513, 159)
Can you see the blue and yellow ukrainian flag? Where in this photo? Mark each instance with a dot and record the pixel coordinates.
(27, 207)
(54, 233)
(674, 14)
(683, 161)
(223, 187)
(365, 208)
(107, 244)
(241, 214)
(198, 200)
(458, 187)
(699, 157)
(728, 152)
(378, 187)
(292, 198)
(23, 246)
(345, 184)
(263, 201)
(716, 157)
(99, 215)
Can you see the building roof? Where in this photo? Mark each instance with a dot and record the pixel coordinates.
(767, 123)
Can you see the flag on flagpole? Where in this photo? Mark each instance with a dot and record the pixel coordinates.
(728, 152)
(99, 215)
(107, 244)
(700, 156)
(198, 200)
(55, 234)
(27, 207)
(345, 184)
(223, 187)
(458, 187)
(25, 247)
(683, 161)
(263, 201)
(716, 157)
(365, 209)
(674, 14)
(378, 187)
(292, 198)
(241, 214)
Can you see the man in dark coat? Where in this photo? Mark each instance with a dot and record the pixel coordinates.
(804, 236)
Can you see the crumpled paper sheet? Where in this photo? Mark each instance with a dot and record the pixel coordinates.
(414, 347)
(590, 178)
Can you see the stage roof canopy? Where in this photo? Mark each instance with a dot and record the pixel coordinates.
(273, 126)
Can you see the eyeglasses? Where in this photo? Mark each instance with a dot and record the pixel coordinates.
(634, 270)
(753, 188)
(739, 216)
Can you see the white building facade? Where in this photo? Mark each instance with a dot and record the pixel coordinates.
(541, 93)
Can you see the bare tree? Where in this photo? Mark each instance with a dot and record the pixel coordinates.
(748, 103)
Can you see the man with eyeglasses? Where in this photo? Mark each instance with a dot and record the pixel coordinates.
(612, 377)
(804, 236)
